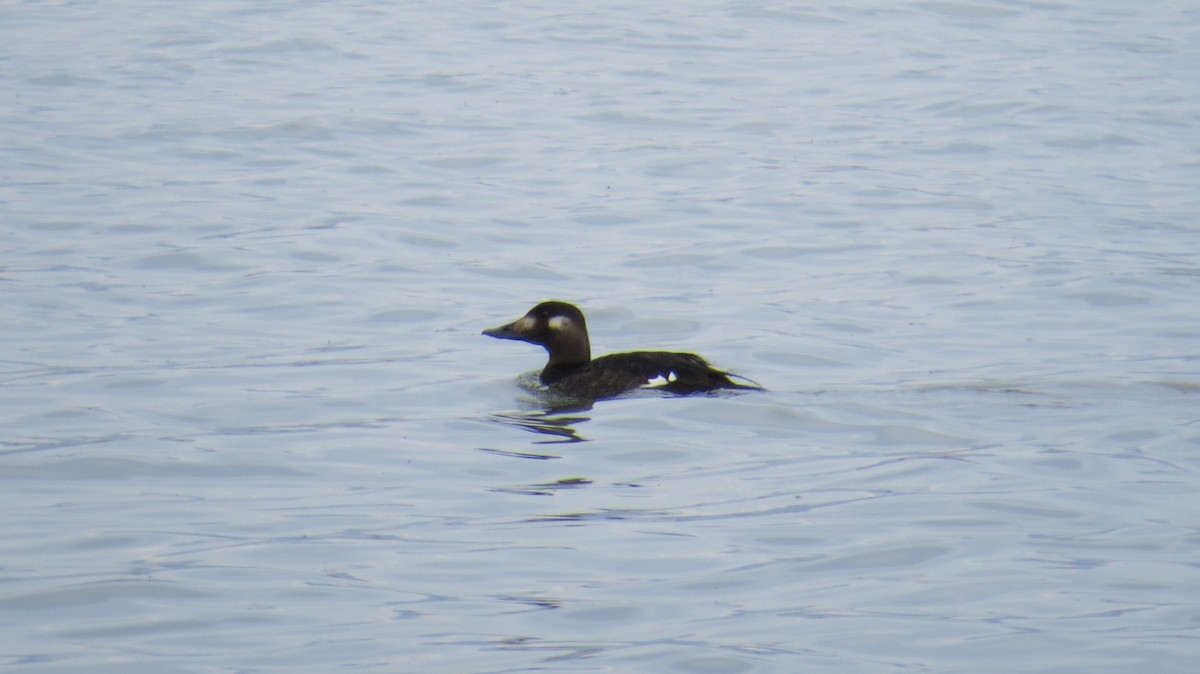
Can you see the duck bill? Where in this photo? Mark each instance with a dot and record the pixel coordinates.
(502, 332)
(518, 330)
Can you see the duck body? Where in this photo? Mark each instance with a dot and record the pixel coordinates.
(571, 371)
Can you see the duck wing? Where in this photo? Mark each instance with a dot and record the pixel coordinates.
(614, 374)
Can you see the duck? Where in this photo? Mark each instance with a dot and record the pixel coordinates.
(561, 329)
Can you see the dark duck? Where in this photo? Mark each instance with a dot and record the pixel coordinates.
(561, 329)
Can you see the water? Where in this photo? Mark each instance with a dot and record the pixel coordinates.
(250, 423)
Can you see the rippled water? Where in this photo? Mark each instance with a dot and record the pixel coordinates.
(250, 423)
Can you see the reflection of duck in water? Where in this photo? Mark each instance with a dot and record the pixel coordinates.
(571, 372)
(552, 423)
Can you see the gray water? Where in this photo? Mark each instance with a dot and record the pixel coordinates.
(250, 425)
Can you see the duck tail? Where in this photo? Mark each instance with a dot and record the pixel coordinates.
(750, 384)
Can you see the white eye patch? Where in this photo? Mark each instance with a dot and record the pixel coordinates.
(660, 380)
(559, 322)
(524, 324)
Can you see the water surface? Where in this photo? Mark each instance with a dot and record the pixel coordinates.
(250, 423)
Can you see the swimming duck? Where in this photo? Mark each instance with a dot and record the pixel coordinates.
(571, 371)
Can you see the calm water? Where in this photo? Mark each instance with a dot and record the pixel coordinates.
(250, 424)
